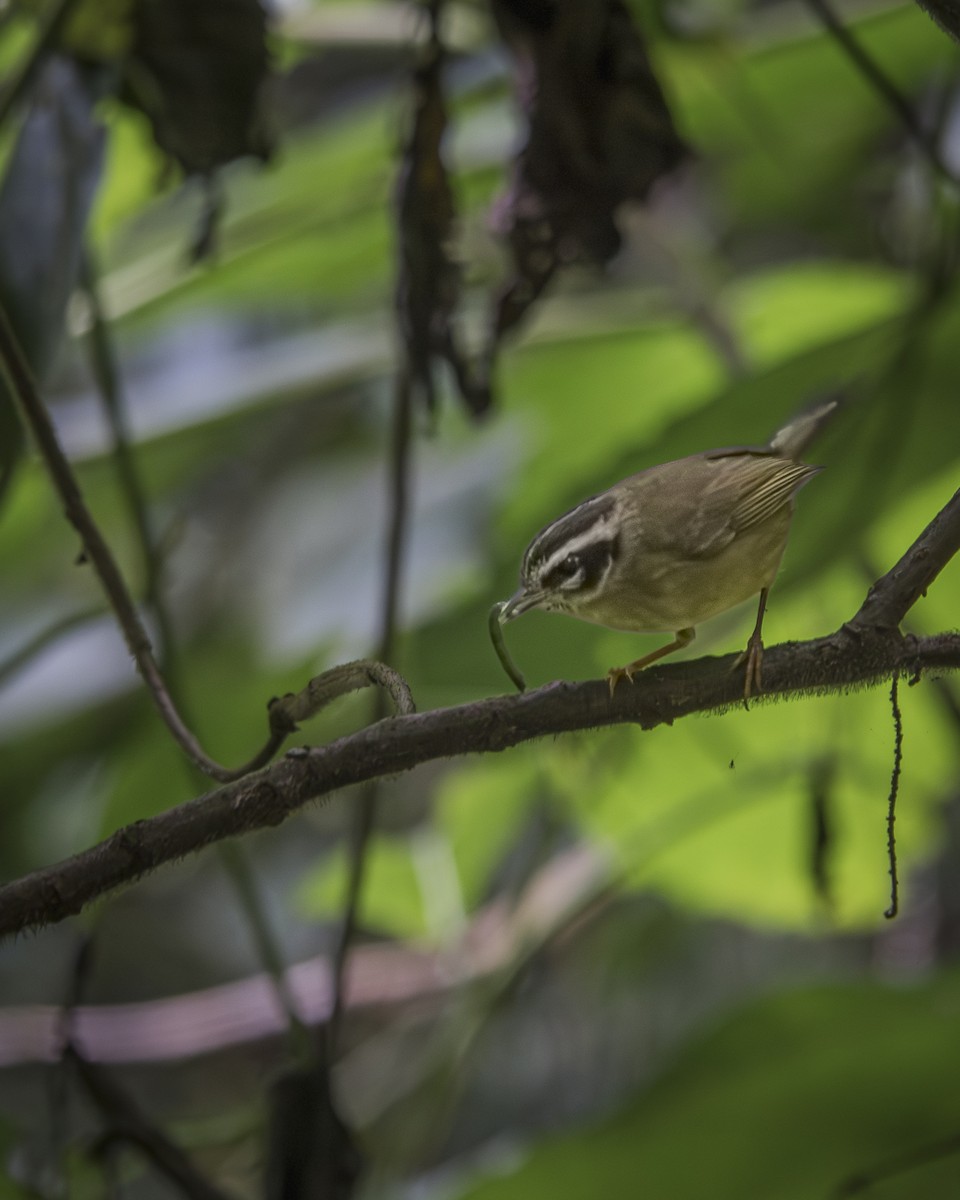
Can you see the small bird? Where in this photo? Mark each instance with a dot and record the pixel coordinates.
(675, 545)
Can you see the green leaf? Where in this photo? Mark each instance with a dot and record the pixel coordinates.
(786, 1100)
(391, 903)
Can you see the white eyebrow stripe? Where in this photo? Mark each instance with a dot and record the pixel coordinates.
(584, 519)
(596, 533)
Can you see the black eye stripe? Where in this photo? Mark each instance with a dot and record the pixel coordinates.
(565, 529)
(595, 560)
(565, 569)
(587, 565)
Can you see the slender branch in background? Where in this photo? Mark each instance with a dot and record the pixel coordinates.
(237, 864)
(894, 908)
(126, 1122)
(883, 85)
(368, 800)
(53, 20)
(425, 288)
(40, 641)
(104, 367)
(234, 857)
(25, 395)
(920, 1157)
(129, 1125)
(691, 290)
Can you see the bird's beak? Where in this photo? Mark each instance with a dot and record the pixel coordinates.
(519, 603)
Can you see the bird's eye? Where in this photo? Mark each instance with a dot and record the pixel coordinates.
(570, 565)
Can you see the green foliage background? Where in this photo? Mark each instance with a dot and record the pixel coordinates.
(259, 391)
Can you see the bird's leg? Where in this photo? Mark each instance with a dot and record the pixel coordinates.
(615, 674)
(753, 655)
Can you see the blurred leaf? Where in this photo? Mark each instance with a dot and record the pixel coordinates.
(788, 1099)
(197, 71)
(100, 30)
(45, 198)
(281, 237)
(792, 128)
(391, 904)
(481, 813)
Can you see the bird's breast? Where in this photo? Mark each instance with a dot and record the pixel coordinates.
(664, 591)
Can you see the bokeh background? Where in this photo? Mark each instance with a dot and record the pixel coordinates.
(614, 963)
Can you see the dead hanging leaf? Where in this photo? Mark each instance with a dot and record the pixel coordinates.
(197, 69)
(428, 277)
(599, 133)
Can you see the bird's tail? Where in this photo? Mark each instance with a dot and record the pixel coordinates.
(792, 439)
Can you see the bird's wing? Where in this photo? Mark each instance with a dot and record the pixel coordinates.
(765, 484)
(698, 505)
(728, 492)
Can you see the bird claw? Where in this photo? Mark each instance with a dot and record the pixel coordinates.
(615, 674)
(752, 658)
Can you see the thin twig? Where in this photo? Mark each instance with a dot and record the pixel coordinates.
(130, 1125)
(104, 366)
(233, 856)
(893, 595)
(287, 711)
(24, 654)
(126, 1121)
(894, 908)
(396, 537)
(369, 797)
(882, 84)
(240, 871)
(899, 1165)
(822, 777)
(25, 394)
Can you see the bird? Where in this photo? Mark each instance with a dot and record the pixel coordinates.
(676, 544)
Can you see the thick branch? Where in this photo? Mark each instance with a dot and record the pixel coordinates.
(844, 659)
(892, 596)
(864, 651)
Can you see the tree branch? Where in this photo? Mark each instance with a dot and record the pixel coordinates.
(882, 84)
(864, 651)
(24, 391)
(369, 799)
(282, 714)
(893, 595)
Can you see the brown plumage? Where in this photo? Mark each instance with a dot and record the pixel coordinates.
(675, 545)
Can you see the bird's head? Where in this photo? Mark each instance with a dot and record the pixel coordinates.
(567, 563)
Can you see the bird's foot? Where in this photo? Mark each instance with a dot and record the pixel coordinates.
(615, 674)
(752, 660)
